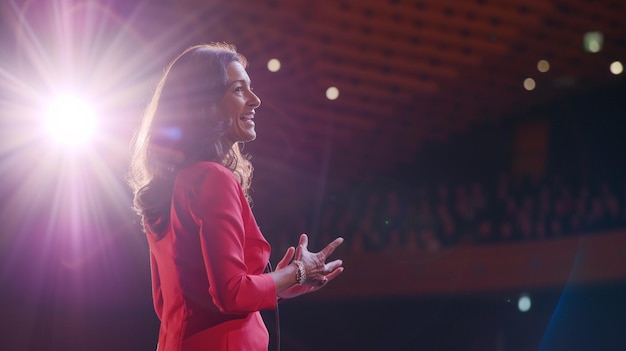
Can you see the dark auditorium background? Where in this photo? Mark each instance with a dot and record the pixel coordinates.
(473, 159)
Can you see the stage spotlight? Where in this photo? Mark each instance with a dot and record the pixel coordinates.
(69, 119)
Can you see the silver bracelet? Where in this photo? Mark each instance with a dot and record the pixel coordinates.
(300, 273)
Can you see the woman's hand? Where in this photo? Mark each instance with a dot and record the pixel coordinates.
(286, 260)
(315, 266)
(318, 272)
(297, 290)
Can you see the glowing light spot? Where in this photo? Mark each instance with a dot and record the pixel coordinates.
(70, 120)
(173, 133)
(273, 65)
(524, 303)
(616, 68)
(592, 41)
(543, 66)
(529, 84)
(332, 93)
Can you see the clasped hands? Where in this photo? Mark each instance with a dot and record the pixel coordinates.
(318, 271)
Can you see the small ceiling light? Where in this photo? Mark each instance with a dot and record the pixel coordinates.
(273, 65)
(592, 42)
(616, 68)
(529, 84)
(543, 66)
(332, 93)
(524, 303)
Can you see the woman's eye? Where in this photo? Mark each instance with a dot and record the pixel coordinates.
(238, 89)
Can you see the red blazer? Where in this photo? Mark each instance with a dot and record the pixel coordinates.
(207, 281)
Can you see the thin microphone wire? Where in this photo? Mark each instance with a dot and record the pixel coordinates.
(276, 314)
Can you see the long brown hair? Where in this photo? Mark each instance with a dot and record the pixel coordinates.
(178, 129)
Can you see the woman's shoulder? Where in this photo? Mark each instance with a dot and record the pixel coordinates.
(205, 166)
(205, 181)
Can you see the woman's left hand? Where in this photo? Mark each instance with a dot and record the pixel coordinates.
(297, 290)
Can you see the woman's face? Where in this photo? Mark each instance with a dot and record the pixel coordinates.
(238, 104)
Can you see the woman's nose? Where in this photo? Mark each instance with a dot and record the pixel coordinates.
(255, 101)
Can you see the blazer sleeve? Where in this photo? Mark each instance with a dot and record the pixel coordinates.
(217, 207)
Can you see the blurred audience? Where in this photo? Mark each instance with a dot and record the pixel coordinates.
(392, 218)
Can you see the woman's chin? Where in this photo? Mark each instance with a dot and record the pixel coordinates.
(243, 137)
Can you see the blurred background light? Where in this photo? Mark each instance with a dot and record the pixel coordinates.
(70, 119)
(592, 41)
(273, 65)
(529, 84)
(616, 67)
(524, 303)
(543, 66)
(332, 93)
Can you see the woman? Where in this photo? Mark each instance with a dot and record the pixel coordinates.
(190, 182)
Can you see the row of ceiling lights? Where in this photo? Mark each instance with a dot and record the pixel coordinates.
(592, 43)
(616, 68)
(273, 65)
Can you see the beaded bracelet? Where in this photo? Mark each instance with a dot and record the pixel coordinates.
(300, 273)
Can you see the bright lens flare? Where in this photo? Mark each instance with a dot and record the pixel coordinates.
(70, 120)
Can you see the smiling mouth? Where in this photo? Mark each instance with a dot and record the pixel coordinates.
(247, 120)
(248, 117)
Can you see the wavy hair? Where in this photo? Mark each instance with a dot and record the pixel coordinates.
(179, 128)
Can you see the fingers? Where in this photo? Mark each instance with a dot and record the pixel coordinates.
(304, 241)
(330, 276)
(284, 262)
(322, 282)
(329, 271)
(315, 264)
(331, 266)
(298, 252)
(318, 272)
(330, 248)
